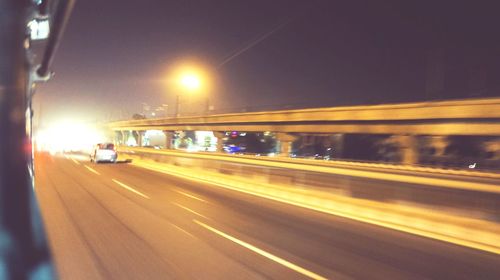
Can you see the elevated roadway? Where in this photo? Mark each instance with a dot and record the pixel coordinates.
(461, 117)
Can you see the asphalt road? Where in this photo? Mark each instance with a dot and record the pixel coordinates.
(118, 221)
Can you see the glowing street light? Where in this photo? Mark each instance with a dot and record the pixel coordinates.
(191, 81)
(189, 77)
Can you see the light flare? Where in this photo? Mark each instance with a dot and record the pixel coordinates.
(68, 137)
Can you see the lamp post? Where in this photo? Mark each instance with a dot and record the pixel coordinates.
(189, 81)
(177, 97)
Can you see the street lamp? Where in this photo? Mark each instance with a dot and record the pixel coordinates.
(189, 81)
(188, 77)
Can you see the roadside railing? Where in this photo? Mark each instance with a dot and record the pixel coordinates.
(464, 193)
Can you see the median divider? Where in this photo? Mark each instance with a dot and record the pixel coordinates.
(371, 200)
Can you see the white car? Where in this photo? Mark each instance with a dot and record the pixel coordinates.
(104, 152)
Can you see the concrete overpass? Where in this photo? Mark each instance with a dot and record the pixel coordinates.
(434, 120)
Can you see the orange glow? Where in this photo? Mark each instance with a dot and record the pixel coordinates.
(189, 76)
(191, 81)
(67, 136)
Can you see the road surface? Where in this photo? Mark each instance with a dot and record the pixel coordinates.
(118, 221)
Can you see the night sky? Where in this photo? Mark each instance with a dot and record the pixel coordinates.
(115, 53)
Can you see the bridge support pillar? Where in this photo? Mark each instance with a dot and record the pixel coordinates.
(220, 140)
(117, 137)
(285, 141)
(125, 135)
(493, 147)
(169, 137)
(409, 149)
(338, 145)
(121, 138)
(138, 135)
(439, 144)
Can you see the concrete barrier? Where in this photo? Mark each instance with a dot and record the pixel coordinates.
(476, 197)
(449, 227)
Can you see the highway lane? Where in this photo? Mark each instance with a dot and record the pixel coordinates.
(117, 221)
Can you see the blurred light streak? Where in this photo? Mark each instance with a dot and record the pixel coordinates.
(261, 252)
(183, 230)
(191, 196)
(348, 210)
(130, 188)
(92, 170)
(190, 210)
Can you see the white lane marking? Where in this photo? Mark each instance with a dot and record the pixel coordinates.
(75, 161)
(263, 253)
(190, 210)
(130, 188)
(92, 170)
(191, 196)
(183, 230)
